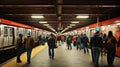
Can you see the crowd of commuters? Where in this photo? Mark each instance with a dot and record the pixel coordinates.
(98, 43)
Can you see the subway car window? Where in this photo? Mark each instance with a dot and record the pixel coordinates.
(17, 31)
(0, 31)
(11, 31)
(5, 31)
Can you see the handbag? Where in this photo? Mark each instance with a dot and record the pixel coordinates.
(55, 46)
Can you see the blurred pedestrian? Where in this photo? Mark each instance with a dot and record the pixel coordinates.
(118, 43)
(111, 48)
(52, 45)
(74, 40)
(85, 43)
(78, 42)
(19, 47)
(29, 43)
(96, 44)
(69, 41)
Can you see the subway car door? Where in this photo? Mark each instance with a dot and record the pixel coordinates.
(1, 38)
(5, 36)
(10, 36)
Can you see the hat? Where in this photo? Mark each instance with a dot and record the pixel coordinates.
(97, 32)
(28, 33)
(20, 35)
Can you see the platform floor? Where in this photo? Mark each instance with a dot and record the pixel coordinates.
(63, 58)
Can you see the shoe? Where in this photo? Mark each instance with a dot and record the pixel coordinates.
(52, 58)
(96, 65)
(110, 65)
(28, 62)
(19, 61)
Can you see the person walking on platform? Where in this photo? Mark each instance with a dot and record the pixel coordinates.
(104, 37)
(19, 47)
(69, 41)
(96, 45)
(62, 39)
(118, 43)
(51, 44)
(111, 48)
(78, 42)
(85, 43)
(59, 40)
(29, 43)
(74, 40)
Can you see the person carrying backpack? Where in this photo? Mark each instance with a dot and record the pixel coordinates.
(96, 45)
(85, 43)
(51, 44)
(78, 42)
(111, 48)
(118, 43)
(29, 44)
(69, 41)
(19, 47)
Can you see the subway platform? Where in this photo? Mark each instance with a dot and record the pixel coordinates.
(63, 58)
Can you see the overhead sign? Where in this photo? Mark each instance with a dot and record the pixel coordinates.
(60, 28)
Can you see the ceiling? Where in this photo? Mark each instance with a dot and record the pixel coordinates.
(59, 13)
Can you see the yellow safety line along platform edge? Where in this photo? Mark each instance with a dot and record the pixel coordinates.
(12, 63)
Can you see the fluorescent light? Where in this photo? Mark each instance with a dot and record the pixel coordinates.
(72, 24)
(109, 25)
(75, 22)
(117, 23)
(43, 22)
(37, 16)
(82, 17)
(87, 27)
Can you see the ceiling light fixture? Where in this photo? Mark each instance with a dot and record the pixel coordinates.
(49, 27)
(43, 22)
(82, 16)
(37, 16)
(72, 24)
(75, 22)
(117, 23)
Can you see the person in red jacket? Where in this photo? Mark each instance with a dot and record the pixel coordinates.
(74, 40)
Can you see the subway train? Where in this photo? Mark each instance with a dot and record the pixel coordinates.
(9, 31)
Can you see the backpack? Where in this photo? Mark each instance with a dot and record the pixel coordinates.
(85, 39)
(110, 43)
(51, 41)
(118, 44)
(78, 39)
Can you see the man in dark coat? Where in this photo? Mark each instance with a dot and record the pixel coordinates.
(51, 44)
(96, 45)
